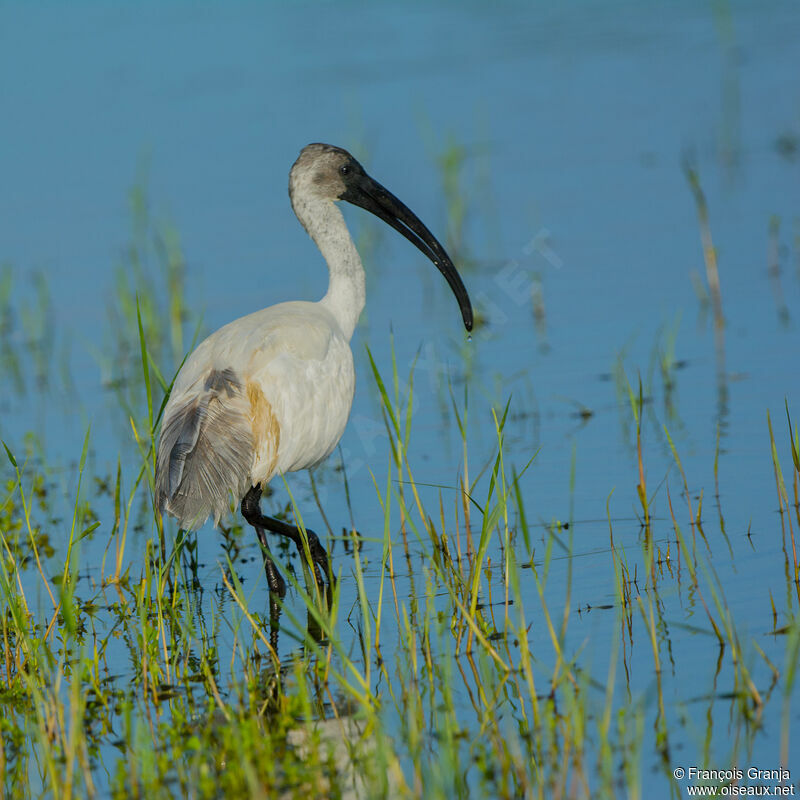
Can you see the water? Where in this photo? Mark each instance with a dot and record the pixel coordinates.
(574, 125)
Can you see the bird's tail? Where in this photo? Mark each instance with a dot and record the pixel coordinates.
(205, 453)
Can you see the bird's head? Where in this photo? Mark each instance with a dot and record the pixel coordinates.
(326, 172)
(323, 171)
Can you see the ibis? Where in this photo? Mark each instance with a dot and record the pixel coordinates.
(271, 392)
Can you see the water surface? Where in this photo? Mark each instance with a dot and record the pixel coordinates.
(568, 211)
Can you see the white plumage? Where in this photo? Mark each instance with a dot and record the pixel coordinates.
(271, 392)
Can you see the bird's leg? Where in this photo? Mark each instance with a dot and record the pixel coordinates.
(319, 557)
(252, 513)
(277, 585)
(274, 620)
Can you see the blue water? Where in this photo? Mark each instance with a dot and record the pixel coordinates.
(575, 123)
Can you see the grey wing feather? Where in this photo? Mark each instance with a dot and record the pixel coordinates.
(206, 451)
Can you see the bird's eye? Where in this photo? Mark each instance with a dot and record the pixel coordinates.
(345, 169)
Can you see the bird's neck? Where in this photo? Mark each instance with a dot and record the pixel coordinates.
(346, 289)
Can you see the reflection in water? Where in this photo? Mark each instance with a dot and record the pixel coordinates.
(774, 270)
(730, 127)
(712, 276)
(722, 379)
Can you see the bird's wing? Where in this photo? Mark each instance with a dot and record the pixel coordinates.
(218, 418)
(206, 449)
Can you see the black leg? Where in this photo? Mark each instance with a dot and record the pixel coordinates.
(251, 511)
(275, 580)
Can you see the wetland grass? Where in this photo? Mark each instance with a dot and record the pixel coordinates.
(132, 683)
(470, 647)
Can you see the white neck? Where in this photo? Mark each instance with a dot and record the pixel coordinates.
(326, 226)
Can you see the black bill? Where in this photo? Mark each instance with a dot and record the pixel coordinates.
(367, 193)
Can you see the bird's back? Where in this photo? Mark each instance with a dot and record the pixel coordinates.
(267, 393)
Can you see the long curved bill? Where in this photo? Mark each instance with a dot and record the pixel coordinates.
(367, 193)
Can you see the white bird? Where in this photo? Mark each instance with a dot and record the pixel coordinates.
(271, 392)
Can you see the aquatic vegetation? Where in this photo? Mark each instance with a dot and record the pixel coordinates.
(477, 643)
(452, 670)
